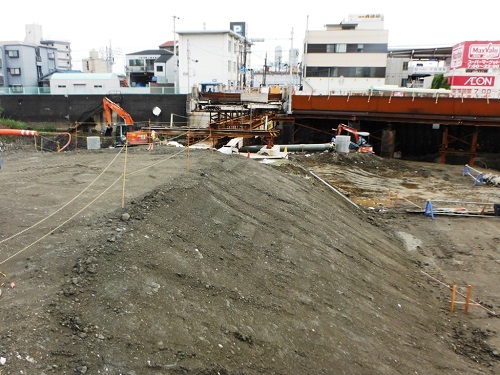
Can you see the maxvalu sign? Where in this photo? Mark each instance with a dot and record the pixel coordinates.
(475, 67)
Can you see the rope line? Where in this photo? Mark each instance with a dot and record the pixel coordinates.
(460, 294)
(65, 205)
(84, 208)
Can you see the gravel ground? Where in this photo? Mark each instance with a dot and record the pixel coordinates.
(204, 263)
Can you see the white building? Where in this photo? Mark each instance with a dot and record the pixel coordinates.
(63, 55)
(84, 83)
(346, 57)
(218, 57)
(151, 67)
(94, 64)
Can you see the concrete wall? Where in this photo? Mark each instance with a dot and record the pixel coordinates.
(60, 109)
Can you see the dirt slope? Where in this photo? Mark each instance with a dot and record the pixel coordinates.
(219, 264)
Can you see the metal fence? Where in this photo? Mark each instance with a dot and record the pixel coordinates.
(123, 90)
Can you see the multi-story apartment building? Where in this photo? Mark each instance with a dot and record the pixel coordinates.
(23, 65)
(219, 58)
(346, 57)
(63, 48)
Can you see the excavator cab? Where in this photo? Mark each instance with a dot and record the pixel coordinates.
(121, 134)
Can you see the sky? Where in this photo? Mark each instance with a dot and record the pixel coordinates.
(127, 27)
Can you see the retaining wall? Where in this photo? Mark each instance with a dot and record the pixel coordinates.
(62, 109)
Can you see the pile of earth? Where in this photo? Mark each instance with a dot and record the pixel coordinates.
(215, 264)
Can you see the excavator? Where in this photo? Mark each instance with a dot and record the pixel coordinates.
(361, 143)
(124, 133)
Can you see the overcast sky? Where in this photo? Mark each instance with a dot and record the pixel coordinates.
(126, 27)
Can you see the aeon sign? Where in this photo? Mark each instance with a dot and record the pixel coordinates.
(472, 81)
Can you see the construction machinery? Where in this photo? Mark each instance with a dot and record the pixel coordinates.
(125, 133)
(360, 143)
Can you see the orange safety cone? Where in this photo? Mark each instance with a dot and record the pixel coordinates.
(248, 155)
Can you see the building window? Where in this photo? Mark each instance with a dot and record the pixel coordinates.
(136, 62)
(150, 64)
(318, 71)
(320, 48)
(98, 86)
(37, 54)
(159, 68)
(341, 48)
(347, 48)
(355, 48)
(52, 56)
(229, 66)
(229, 44)
(405, 65)
(61, 86)
(15, 71)
(1, 63)
(13, 53)
(345, 71)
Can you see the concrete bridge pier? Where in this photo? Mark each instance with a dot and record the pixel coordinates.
(387, 142)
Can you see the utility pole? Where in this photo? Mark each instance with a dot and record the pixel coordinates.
(175, 36)
(189, 59)
(109, 56)
(265, 71)
(176, 57)
(304, 59)
(291, 52)
(290, 88)
(244, 63)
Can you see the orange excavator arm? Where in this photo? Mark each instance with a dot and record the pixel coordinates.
(361, 146)
(348, 129)
(109, 106)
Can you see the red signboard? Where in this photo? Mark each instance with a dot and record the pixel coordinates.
(472, 81)
(476, 55)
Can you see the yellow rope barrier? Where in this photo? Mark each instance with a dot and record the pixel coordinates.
(81, 210)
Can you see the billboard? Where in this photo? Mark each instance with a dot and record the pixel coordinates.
(239, 28)
(472, 81)
(476, 55)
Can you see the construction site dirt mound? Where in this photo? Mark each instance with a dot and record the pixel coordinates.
(175, 261)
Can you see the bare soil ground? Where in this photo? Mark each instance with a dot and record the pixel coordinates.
(205, 263)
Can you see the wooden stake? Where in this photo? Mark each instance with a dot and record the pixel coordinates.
(467, 299)
(453, 293)
(124, 174)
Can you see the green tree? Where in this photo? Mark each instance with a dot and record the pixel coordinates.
(440, 82)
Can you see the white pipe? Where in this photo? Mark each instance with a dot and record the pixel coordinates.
(335, 190)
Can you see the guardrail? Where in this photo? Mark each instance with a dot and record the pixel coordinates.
(123, 90)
